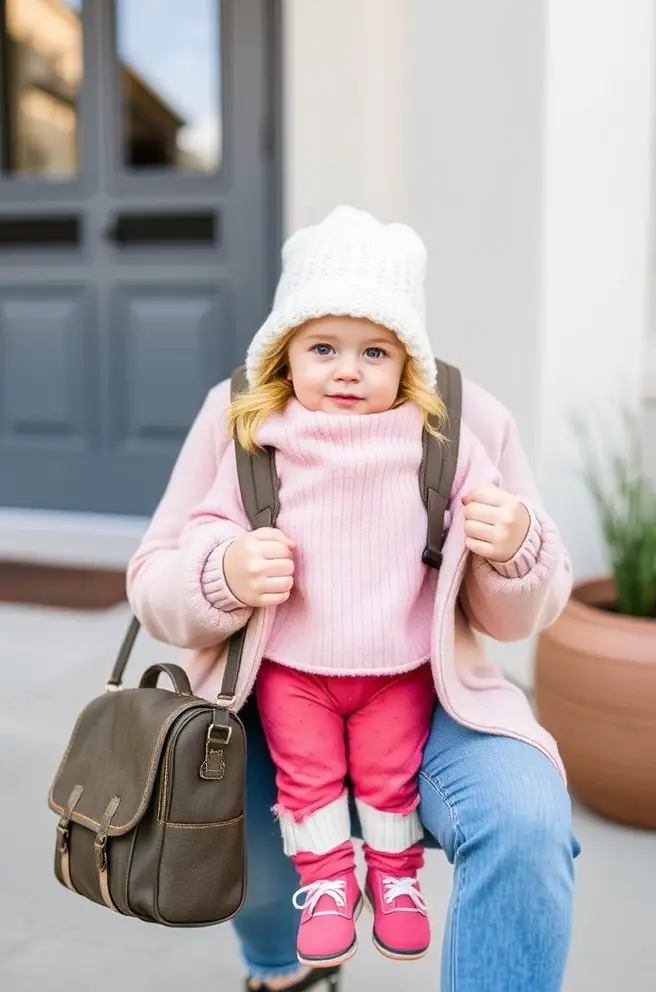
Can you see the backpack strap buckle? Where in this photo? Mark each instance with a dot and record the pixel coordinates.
(432, 558)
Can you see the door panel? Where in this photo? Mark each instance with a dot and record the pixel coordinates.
(136, 235)
(43, 368)
(171, 336)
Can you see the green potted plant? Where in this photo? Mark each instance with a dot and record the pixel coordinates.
(595, 672)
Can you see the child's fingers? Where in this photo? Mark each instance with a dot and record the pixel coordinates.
(276, 584)
(272, 534)
(482, 548)
(481, 511)
(273, 598)
(491, 495)
(275, 550)
(479, 531)
(277, 567)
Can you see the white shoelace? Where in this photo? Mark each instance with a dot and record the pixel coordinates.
(395, 887)
(314, 892)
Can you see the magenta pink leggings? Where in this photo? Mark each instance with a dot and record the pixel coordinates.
(323, 729)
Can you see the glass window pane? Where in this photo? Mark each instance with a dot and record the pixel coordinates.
(42, 74)
(170, 67)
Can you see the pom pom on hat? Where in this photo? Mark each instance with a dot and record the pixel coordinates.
(351, 265)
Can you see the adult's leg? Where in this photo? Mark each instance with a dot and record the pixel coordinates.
(500, 811)
(267, 925)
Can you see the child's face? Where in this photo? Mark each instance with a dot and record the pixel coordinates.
(346, 365)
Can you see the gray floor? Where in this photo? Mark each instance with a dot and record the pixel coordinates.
(51, 664)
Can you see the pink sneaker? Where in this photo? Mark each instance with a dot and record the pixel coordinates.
(326, 935)
(401, 926)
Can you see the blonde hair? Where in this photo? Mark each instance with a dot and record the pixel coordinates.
(272, 391)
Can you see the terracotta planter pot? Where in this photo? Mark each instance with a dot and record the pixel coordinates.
(595, 689)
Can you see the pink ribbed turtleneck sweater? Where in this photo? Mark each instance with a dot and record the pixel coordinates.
(362, 602)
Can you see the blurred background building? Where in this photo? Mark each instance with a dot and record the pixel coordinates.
(153, 154)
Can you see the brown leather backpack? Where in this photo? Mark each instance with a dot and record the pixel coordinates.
(150, 790)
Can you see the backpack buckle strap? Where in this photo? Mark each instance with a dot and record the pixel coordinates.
(100, 853)
(432, 556)
(217, 739)
(63, 837)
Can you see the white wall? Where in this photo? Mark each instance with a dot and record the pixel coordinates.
(650, 437)
(598, 233)
(475, 136)
(343, 108)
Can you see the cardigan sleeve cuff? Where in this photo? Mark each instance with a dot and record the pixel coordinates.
(525, 558)
(213, 582)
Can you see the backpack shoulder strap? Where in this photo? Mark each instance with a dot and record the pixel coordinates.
(438, 463)
(256, 471)
(258, 485)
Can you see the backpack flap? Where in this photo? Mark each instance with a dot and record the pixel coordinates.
(113, 758)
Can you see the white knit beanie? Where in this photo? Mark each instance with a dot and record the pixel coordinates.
(350, 264)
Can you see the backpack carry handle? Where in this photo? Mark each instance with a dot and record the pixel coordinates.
(177, 675)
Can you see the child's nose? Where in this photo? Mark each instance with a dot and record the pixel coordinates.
(349, 369)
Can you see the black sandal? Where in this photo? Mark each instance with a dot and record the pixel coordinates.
(331, 976)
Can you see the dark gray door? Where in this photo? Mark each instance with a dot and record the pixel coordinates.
(137, 234)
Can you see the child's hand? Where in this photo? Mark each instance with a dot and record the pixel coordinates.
(496, 523)
(259, 567)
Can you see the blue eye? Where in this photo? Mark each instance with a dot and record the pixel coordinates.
(323, 350)
(375, 353)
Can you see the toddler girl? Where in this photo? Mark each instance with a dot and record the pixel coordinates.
(342, 383)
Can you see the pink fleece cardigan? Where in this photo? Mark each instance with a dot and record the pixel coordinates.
(508, 602)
